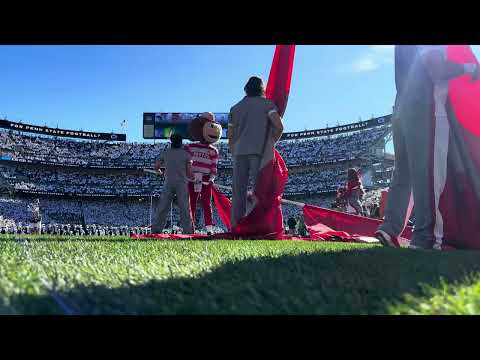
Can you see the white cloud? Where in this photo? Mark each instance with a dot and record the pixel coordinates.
(363, 64)
(476, 50)
(372, 59)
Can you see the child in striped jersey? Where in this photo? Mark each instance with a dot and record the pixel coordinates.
(204, 155)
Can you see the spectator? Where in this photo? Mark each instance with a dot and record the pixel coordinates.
(292, 223)
(302, 229)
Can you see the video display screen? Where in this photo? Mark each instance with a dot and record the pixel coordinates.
(161, 125)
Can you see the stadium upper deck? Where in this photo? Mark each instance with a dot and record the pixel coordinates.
(314, 147)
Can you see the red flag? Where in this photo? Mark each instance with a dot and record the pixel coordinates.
(266, 217)
(322, 223)
(456, 167)
(279, 80)
(223, 205)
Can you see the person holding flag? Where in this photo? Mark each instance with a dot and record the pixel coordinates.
(251, 122)
(265, 167)
(420, 123)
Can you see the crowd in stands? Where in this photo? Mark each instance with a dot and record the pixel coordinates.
(71, 182)
(319, 150)
(67, 181)
(27, 148)
(97, 216)
(341, 147)
(124, 216)
(93, 215)
(307, 181)
(71, 229)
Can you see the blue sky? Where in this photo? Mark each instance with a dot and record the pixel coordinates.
(96, 87)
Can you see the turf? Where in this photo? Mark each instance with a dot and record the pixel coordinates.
(55, 275)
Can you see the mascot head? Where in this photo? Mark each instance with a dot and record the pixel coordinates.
(204, 129)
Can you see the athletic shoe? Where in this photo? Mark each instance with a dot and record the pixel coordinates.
(209, 230)
(416, 247)
(386, 239)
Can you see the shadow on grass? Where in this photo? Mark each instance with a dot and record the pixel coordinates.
(345, 282)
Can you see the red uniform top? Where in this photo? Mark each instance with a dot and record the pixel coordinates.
(204, 157)
(352, 185)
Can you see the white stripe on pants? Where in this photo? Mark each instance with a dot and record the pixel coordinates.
(442, 133)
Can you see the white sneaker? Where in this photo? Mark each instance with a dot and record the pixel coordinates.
(209, 229)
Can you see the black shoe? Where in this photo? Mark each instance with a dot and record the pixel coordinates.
(387, 240)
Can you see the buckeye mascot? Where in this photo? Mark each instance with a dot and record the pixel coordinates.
(205, 131)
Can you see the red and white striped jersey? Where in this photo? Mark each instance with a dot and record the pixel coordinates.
(205, 158)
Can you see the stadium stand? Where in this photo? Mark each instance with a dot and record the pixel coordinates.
(96, 187)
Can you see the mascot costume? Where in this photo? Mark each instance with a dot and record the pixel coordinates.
(205, 132)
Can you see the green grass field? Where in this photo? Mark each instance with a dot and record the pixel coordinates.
(55, 275)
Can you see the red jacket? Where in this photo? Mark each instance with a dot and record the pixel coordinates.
(352, 185)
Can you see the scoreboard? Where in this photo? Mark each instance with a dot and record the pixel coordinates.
(162, 125)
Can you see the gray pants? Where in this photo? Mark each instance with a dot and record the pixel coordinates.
(162, 209)
(412, 132)
(245, 169)
(354, 201)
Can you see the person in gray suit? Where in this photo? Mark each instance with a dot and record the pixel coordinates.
(178, 164)
(251, 121)
(417, 69)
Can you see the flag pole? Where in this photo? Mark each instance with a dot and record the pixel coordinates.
(151, 206)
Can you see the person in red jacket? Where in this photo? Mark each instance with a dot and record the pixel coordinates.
(354, 190)
(206, 131)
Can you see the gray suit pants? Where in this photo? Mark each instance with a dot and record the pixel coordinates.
(245, 170)
(162, 209)
(412, 141)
